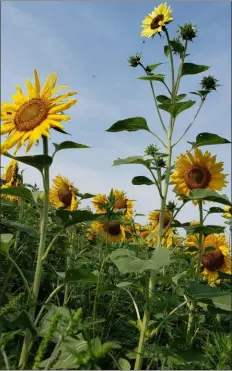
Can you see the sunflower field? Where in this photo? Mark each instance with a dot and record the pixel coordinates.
(90, 287)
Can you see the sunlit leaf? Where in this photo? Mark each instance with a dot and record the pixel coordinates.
(208, 139)
(139, 160)
(131, 124)
(21, 192)
(158, 77)
(37, 161)
(68, 145)
(176, 108)
(20, 227)
(192, 69)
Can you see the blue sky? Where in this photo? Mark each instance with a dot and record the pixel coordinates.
(83, 39)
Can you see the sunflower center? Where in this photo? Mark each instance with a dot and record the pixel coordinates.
(65, 195)
(213, 260)
(31, 114)
(113, 228)
(197, 177)
(156, 21)
(120, 204)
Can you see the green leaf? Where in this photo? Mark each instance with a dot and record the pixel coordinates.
(166, 50)
(84, 196)
(192, 69)
(24, 322)
(20, 227)
(7, 203)
(177, 46)
(68, 145)
(131, 124)
(124, 364)
(180, 97)
(158, 77)
(74, 217)
(63, 322)
(79, 274)
(6, 240)
(152, 67)
(208, 195)
(124, 284)
(37, 161)
(161, 257)
(139, 160)
(163, 99)
(206, 229)
(176, 108)
(140, 180)
(208, 139)
(21, 192)
(215, 210)
(61, 131)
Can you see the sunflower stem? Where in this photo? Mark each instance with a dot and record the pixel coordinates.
(40, 254)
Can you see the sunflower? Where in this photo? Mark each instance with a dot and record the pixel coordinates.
(154, 217)
(28, 118)
(111, 231)
(228, 212)
(214, 260)
(155, 21)
(63, 194)
(197, 171)
(11, 178)
(101, 202)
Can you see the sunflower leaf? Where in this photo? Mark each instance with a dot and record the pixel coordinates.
(79, 274)
(20, 227)
(68, 145)
(142, 180)
(157, 77)
(193, 69)
(7, 203)
(214, 210)
(176, 108)
(163, 99)
(70, 218)
(37, 161)
(139, 160)
(208, 139)
(131, 124)
(206, 229)
(152, 67)
(22, 192)
(208, 195)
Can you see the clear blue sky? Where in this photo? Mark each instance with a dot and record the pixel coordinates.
(83, 39)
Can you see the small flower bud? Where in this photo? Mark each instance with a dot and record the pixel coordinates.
(134, 60)
(171, 206)
(209, 83)
(151, 150)
(187, 31)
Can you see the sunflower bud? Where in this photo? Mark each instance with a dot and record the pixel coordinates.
(151, 150)
(160, 162)
(209, 83)
(187, 31)
(134, 60)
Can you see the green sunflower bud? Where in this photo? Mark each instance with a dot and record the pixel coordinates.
(134, 60)
(209, 83)
(187, 31)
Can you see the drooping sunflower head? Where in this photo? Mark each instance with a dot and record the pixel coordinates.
(228, 212)
(121, 202)
(100, 203)
(154, 217)
(215, 257)
(111, 231)
(63, 194)
(197, 171)
(11, 173)
(156, 20)
(32, 116)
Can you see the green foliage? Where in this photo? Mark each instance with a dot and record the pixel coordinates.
(208, 139)
(131, 124)
(37, 161)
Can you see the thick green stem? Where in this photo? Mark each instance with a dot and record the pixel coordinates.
(40, 254)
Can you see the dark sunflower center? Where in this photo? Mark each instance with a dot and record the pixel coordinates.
(31, 114)
(113, 228)
(213, 260)
(65, 195)
(155, 23)
(197, 177)
(120, 204)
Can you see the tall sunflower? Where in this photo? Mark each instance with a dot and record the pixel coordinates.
(111, 231)
(32, 116)
(11, 179)
(197, 171)
(102, 202)
(228, 212)
(168, 238)
(63, 194)
(214, 260)
(156, 20)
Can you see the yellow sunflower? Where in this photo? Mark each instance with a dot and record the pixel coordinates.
(197, 171)
(213, 261)
(32, 116)
(156, 20)
(63, 194)
(100, 202)
(228, 212)
(168, 238)
(111, 231)
(11, 178)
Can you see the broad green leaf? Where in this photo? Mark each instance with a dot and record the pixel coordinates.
(177, 46)
(37, 161)
(7, 203)
(21, 192)
(161, 257)
(24, 322)
(152, 67)
(215, 210)
(68, 145)
(74, 217)
(157, 77)
(225, 276)
(208, 139)
(176, 108)
(6, 241)
(20, 227)
(131, 124)
(166, 50)
(66, 315)
(124, 364)
(79, 274)
(208, 195)
(141, 180)
(192, 69)
(180, 97)
(139, 160)
(163, 99)
(206, 229)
